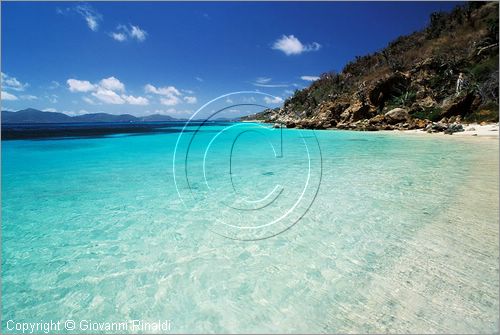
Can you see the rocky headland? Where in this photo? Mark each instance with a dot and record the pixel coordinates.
(437, 79)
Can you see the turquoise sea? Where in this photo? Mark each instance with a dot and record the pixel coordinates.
(238, 227)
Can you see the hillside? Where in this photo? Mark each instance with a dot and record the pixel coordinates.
(31, 115)
(411, 82)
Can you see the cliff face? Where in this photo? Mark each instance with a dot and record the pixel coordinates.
(410, 83)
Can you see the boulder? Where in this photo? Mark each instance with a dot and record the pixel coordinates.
(364, 125)
(436, 127)
(355, 112)
(454, 128)
(331, 110)
(419, 123)
(387, 127)
(309, 124)
(345, 116)
(362, 112)
(397, 115)
(342, 125)
(377, 119)
(461, 105)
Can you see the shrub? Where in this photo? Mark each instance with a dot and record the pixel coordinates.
(482, 70)
(433, 114)
(486, 112)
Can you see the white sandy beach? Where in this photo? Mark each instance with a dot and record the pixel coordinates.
(472, 129)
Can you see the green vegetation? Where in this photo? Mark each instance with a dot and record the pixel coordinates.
(405, 99)
(485, 113)
(432, 113)
(482, 70)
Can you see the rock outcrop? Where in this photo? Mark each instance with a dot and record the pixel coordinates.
(397, 115)
(410, 84)
(460, 105)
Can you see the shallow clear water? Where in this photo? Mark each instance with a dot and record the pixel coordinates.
(372, 232)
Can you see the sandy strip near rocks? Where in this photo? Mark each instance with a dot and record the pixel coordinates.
(472, 129)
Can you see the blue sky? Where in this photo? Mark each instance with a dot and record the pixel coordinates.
(171, 57)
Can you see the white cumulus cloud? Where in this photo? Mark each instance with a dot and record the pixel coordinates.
(112, 84)
(170, 94)
(8, 96)
(167, 90)
(76, 85)
(191, 100)
(108, 90)
(108, 96)
(135, 100)
(291, 45)
(170, 101)
(12, 83)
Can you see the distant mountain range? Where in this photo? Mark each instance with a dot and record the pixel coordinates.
(32, 115)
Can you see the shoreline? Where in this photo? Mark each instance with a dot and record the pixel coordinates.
(472, 129)
(440, 255)
(490, 130)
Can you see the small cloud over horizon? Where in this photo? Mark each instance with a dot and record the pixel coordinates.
(262, 80)
(174, 112)
(267, 82)
(9, 82)
(170, 95)
(8, 96)
(273, 100)
(309, 78)
(109, 90)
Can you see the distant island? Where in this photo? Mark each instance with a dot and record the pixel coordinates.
(31, 115)
(36, 124)
(434, 79)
